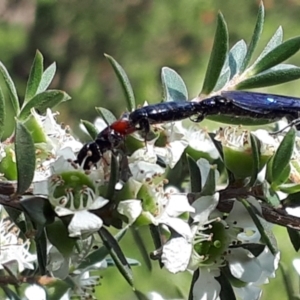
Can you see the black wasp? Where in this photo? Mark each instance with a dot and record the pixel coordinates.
(262, 106)
(236, 104)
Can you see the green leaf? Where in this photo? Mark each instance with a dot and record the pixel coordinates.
(38, 209)
(292, 200)
(107, 115)
(116, 254)
(61, 241)
(35, 76)
(284, 176)
(255, 37)
(276, 56)
(100, 254)
(264, 235)
(10, 294)
(223, 79)
(236, 57)
(283, 155)
(41, 250)
(275, 41)
(90, 128)
(56, 289)
(294, 238)
(255, 147)
(277, 75)
(173, 85)
(271, 197)
(47, 78)
(12, 92)
(140, 242)
(288, 286)
(42, 101)
(2, 113)
(124, 80)
(217, 57)
(195, 175)
(25, 157)
(226, 292)
(290, 188)
(209, 187)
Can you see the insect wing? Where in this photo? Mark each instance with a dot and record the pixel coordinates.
(261, 102)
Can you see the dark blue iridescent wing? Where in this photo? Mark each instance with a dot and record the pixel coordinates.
(263, 103)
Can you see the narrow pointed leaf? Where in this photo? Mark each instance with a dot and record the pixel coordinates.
(116, 254)
(173, 85)
(47, 78)
(292, 200)
(141, 246)
(10, 294)
(236, 57)
(156, 237)
(41, 250)
(42, 101)
(275, 41)
(283, 154)
(35, 76)
(100, 254)
(226, 292)
(264, 236)
(277, 75)
(292, 293)
(90, 128)
(2, 113)
(223, 79)
(195, 175)
(294, 238)
(140, 295)
(124, 80)
(56, 289)
(255, 37)
(291, 188)
(255, 147)
(217, 57)
(271, 197)
(12, 92)
(277, 55)
(106, 115)
(209, 187)
(25, 157)
(64, 244)
(39, 210)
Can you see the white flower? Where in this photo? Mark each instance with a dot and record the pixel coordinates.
(60, 143)
(34, 292)
(199, 140)
(12, 248)
(83, 221)
(268, 264)
(206, 286)
(176, 143)
(177, 252)
(72, 192)
(132, 209)
(84, 285)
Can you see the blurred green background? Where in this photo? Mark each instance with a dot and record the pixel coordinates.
(143, 36)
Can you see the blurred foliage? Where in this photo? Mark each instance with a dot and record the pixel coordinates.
(143, 35)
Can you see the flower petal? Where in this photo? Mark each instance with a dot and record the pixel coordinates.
(176, 254)
(84, 221)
